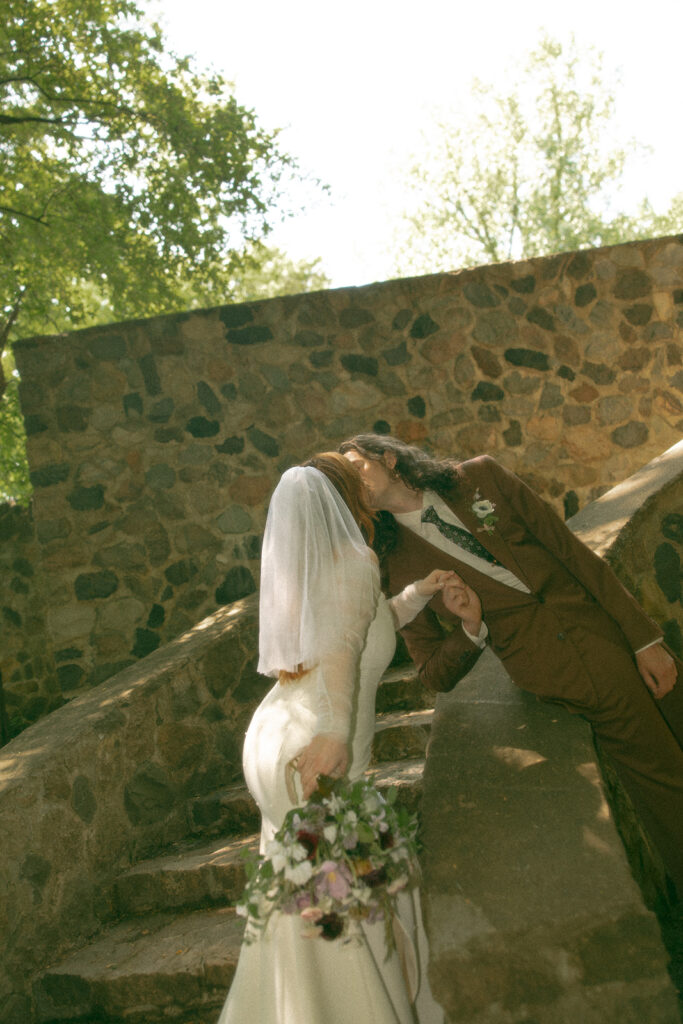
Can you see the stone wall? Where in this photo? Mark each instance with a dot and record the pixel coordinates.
(638, 528)
(154, 445)
(27, 665)
(110, 778)
(649, 560)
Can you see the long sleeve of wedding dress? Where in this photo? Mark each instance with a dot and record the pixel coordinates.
(340, 669)
(406, 605)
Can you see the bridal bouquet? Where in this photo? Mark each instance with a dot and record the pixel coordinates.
(340, 859)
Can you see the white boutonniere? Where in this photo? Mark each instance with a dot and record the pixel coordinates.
(483, 510)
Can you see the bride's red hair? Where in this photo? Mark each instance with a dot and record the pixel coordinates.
(344, 476)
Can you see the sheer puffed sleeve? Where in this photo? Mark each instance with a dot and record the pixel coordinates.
(318, 594)
(406, 605)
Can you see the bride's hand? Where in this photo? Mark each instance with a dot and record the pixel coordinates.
(324, 755)
(436, 580)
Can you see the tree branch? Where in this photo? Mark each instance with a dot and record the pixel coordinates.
(26, 118)
(20, 213)
(4, 335)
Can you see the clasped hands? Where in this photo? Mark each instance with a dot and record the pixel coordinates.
(655, 664)
(457, 597)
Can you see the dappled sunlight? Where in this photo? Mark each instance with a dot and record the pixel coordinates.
(606, 517)
(599, 538)
(221, 619)
(517, 757)
(640, 481)
(590, 772)
(11, 767)
(6, 767)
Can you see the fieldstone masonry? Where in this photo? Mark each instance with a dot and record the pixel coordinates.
(111, 778)
(154, 445)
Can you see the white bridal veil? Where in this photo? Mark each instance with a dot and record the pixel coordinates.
(319, 588)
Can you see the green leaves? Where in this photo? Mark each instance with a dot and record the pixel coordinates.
(528, 173)
(130, 183)
(128, 167)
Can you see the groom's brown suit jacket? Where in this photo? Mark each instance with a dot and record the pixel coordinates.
(559, 640)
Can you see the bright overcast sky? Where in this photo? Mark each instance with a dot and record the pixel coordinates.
(351, 84)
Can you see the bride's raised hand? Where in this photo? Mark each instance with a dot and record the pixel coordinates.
(437, 580)
(326, 754)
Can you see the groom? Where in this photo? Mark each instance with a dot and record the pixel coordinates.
(551, 610)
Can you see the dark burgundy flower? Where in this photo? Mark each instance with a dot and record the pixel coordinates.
(386, 840)
(309, 841)
(331, 926)
(375, 877)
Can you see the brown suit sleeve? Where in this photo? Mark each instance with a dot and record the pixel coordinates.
(442, 657)
(588, 568)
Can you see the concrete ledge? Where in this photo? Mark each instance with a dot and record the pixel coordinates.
(532, 912)
(609, 521)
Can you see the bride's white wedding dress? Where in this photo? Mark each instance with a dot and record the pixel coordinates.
(282, 977)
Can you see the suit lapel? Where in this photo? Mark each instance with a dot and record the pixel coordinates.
(460, 501)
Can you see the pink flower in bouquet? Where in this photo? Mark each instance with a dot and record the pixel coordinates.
(311, 914)
(333, 880)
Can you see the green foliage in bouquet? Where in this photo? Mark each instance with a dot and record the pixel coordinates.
(341, 859)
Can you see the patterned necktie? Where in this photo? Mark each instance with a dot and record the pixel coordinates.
(463, 538)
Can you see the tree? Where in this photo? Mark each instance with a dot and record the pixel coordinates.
(127, 180)
(528, 173)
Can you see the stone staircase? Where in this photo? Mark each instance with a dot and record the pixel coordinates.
(171, 955)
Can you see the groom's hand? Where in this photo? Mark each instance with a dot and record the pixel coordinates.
(658, 670)
(464, 602)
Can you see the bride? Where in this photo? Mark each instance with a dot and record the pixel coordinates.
(327, 633)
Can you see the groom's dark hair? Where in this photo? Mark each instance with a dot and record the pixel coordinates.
(415, 467)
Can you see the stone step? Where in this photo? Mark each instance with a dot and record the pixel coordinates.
(170, 968)
(401, 690)
(197, 874)
(193, 875)
(229, 811)
(402, 734)
(405, 776)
